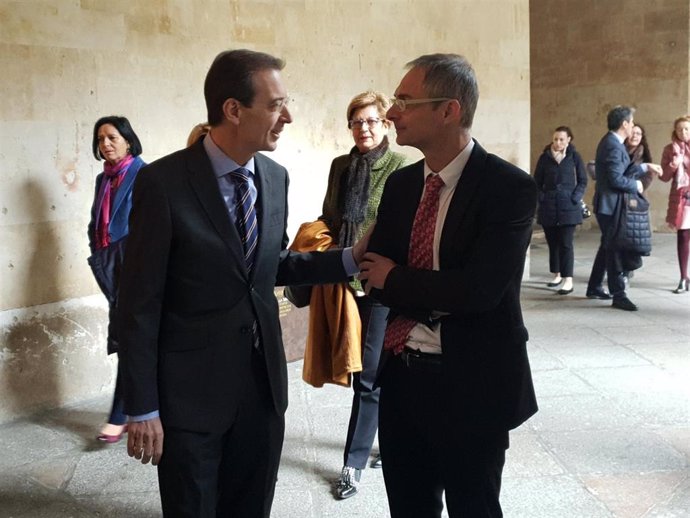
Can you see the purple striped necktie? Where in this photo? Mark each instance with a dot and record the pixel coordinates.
(248, 228)
(245, 216)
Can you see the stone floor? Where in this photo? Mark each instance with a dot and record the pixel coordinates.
(611, 439)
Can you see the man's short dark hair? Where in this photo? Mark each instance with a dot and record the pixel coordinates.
(231, 76)
(123, 126)
(450, 75)
(618, 115)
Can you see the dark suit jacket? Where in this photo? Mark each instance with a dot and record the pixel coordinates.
(482, 254)
(615, 174)
(186, 304)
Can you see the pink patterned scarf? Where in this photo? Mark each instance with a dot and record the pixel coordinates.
(682, 150)
(114, 174)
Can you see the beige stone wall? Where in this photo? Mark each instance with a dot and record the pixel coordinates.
(587, 61)
(67, 62)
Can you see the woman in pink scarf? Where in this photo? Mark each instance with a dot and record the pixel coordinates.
(115, 141)
(675, 164)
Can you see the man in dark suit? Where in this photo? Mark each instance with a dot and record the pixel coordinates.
(206, 387)
(454, 376)
(615, 175)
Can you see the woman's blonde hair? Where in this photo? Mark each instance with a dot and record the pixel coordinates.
(369, 98)
(684, 118)
(197, 132)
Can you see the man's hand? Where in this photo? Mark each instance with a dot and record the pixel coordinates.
(374, 269)
(145, 440)
(655, 168)
(360, 247)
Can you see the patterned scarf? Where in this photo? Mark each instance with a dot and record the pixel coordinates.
(681, 149)
(357, 190)
(114, 174)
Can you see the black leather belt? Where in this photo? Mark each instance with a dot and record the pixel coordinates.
(414, 359)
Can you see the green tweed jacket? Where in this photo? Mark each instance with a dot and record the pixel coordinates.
(334, 200)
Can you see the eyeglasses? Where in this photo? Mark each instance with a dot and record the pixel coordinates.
(359, 123)
(279, 104)
(402, 104)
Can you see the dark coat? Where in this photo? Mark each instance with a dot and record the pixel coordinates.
(631, 230)
(561, 187)
(484, 240)
(106, 263)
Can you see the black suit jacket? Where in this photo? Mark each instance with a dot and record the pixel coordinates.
(187, 304)
(482, 254)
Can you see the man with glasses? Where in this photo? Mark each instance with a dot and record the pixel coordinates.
(447, 255)
(205, 372)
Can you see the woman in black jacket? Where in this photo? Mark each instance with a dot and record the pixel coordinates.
(560, 175)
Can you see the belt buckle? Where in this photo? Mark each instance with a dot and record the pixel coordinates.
(407, 354)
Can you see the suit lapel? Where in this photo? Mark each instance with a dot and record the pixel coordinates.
(205, 186)
(624, 152)
(264, 186)
(464, 192)
(407, 200)
(269, 179)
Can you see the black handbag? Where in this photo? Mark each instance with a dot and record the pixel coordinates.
(105, 264)
(631, 230)
(586, 213)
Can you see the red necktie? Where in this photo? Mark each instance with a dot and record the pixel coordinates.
(420, 255)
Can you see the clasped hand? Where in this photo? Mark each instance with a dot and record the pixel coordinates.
(374, 269)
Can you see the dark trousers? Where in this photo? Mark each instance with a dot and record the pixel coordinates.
(364, 416)
(228, 474)
(607, 261)
(561, 251)
(683, 241)
(425, 451)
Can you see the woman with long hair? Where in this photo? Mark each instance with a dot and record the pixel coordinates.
(639, 152)
(675, 166)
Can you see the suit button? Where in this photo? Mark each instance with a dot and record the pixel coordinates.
(245, 330)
